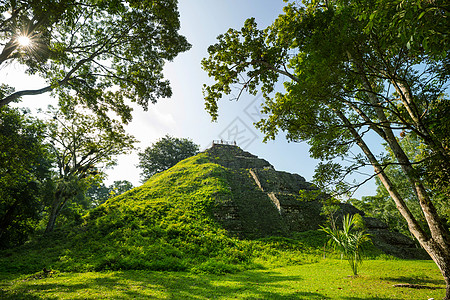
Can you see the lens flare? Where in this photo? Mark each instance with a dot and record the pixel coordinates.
(24, 41)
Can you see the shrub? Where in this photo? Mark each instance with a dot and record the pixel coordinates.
(349, 241)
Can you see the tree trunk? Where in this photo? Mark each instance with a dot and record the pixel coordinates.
(445, 270)
(56, 208)
(7, 50)
(438, 245)
(442, 259)
(52, 219)
(407, 98)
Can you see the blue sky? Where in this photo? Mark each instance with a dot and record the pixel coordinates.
(183, 115)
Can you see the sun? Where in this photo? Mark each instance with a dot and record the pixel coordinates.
(24, 41)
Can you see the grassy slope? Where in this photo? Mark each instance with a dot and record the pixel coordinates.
(166, 224)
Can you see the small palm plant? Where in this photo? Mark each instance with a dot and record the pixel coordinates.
(349, 241)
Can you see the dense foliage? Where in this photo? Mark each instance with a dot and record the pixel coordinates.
(85, 48)
(25, 163)
(47, 166)
(165, 153)
(353, 72)
(82, 145)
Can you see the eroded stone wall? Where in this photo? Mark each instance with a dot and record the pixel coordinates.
(267, 202)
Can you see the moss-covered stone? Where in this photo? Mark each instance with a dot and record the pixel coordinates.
(267, 202)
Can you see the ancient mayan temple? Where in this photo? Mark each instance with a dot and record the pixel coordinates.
(268, 202)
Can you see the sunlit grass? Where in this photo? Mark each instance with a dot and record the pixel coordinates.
(327, 279)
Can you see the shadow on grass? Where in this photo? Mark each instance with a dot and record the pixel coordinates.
(371, 298)
(418, 279)
(29, 288)
(167, 285)
(154, 285)
(148, 285)
(256, 285)
(20, 295)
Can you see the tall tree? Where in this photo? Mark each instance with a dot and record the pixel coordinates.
(352, 68)
(82, 145)
(165, 153)
(25, 164)
(380, 206)
(95, 52)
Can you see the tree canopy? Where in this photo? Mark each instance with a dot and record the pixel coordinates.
(82, 146)
(25, 167)
(46, 166)
(97, 53)
(165, 153)
(353, 70)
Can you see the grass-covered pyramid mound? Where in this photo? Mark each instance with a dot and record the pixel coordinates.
(178, 220)
(164, 224)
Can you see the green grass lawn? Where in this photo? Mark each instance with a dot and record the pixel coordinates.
(326, 279)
